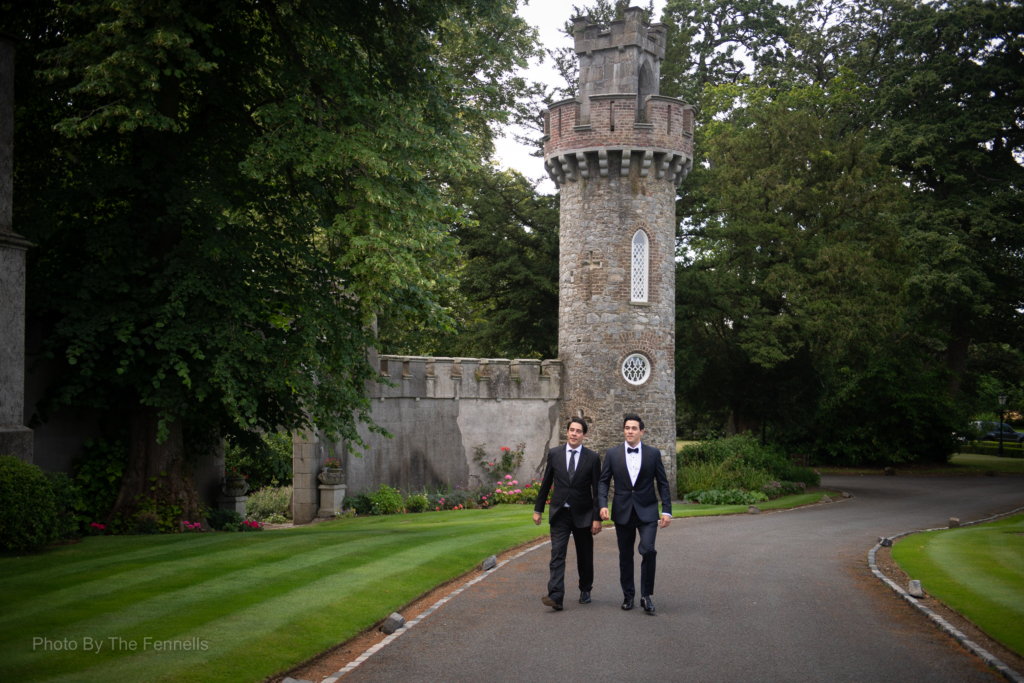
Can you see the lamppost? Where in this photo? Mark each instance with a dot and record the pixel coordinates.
(1002, 411)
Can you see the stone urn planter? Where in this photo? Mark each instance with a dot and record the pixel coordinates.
(331, 476)
(235, 487)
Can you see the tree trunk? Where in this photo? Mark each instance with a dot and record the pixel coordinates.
(956, 357)
(156, 471)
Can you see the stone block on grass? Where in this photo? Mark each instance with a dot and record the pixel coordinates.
(489, 564)
(914, 588)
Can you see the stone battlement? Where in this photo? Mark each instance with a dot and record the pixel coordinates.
(610, 140)
(628, 32)
(422, 377)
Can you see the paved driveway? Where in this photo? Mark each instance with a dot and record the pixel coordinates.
(772, 597)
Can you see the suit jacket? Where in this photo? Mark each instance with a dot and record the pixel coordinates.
(639, 496)
(580, 493)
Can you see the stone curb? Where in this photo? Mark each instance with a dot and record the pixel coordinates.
(944, 625)
(333, 678)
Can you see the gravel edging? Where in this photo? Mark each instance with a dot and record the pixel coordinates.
(944, 625)
(333, 678)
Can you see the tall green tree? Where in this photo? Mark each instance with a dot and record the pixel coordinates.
(949, 106)
(224, 194)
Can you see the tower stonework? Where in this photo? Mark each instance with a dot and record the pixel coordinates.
(617, 153)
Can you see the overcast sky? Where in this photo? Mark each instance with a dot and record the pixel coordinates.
(547, 16)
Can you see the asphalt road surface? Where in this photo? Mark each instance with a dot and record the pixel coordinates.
(774, 597)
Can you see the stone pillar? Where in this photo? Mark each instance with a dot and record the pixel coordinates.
(309, 453)
(233, 503)
(15, 437)
(331, 498)
(617, 154)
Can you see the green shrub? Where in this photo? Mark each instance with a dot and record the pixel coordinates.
(269, 502)
(777, 489)
(805, 475)
(65, 497)
(145, 523)
(265, 458)
(362, 503)
(731, 473)
(736, 462)
(218, 519)
(726, 497)
(31, 517)
(386, 501)
(98, 471)
(416, 503)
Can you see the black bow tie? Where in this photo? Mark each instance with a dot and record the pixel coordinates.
(633, 450)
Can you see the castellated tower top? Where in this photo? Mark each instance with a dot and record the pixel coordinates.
(623, 57)
(619, 121)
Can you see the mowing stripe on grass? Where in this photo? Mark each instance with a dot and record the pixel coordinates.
(240, 633)
(978, 571)
(263, 602)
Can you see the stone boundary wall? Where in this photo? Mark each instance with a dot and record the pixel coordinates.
(457, 378)
(438, 411)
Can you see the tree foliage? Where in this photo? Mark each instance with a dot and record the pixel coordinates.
(850, 237)
(224, 194)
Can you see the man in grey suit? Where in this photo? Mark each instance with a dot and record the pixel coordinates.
(637, 470)
(573, 471)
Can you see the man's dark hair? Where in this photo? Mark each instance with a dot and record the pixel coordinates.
(577, 420)
(632, 416)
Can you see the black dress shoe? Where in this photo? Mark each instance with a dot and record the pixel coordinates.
(627, 604)
(647, 604)
(551, 603)
(584, 597)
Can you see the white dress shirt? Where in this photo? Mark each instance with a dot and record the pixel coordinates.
(633, 461)
(568, 459)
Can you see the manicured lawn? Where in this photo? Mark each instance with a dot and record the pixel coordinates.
(959, 464)
(255, 603)
(777, 504)
(262, 601)
(978, 571)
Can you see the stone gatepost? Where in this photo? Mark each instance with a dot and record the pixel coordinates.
(617, 154)
(15, 437)
(309, 454)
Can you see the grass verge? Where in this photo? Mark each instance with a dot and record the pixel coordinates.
(782, 503)
(977, 570)
(961, 464)
(261, 602)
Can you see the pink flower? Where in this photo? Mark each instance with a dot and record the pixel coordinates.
(508, 476)
(514, 481)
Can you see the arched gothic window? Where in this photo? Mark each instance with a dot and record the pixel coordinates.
(639, 267)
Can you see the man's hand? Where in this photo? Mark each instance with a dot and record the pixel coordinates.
(605, 515)
(536, 518)
(595, 527)
(664, 521)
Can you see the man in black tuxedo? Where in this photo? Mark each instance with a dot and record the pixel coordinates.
(573, 470)
(636, 468)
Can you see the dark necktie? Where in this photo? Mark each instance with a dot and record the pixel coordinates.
(633, 450)
(572, 464)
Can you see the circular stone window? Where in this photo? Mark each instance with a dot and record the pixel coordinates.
(636, 368)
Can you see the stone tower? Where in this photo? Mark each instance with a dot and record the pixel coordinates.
(617, 153)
